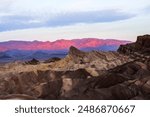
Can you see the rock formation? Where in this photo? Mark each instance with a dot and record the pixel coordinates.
(94, 60)
(54, 59)
(82, 75)
(32, 62)
(142, 45)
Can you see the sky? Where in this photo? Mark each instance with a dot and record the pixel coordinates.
(49, 20)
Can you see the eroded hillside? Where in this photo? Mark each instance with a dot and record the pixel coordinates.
(82, 75)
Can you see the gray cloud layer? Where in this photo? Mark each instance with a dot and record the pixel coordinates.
(14, 22)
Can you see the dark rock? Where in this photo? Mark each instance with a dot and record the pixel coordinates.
(54, 59)
(75, 52)
(144, 41)
(32, 62)
(141, 45)
(17, 97)
(77, 74)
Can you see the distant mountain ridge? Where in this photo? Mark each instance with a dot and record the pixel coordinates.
(62, 44)
(26, 50)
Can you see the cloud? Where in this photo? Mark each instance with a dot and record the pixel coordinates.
(147, 9)
(6, 5)
(88, 17)
(14, 22)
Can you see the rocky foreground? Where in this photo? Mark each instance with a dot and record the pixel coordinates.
(82, 75)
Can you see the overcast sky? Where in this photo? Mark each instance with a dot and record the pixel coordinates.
(48, 20)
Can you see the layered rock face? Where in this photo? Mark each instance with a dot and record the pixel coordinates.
(82, 75)
(91, 61)
(142, 45)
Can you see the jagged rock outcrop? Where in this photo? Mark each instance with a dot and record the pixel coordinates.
(96, 60)
(75, 52)
(32, 62)
(142, 45)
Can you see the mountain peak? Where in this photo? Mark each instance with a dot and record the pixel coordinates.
(73, 51)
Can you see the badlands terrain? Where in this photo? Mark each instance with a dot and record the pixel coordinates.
(113, 75)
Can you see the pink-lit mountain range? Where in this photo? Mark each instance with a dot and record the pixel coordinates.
(59, 44)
